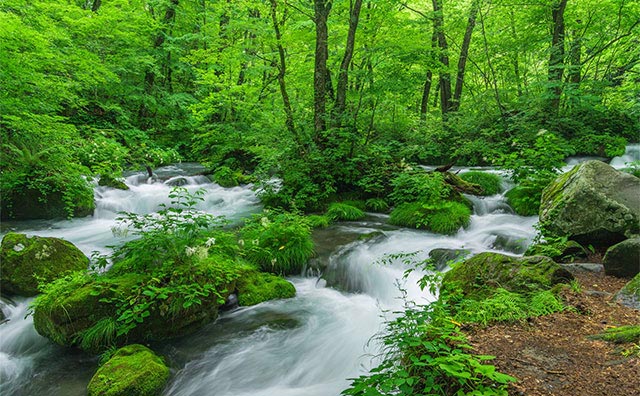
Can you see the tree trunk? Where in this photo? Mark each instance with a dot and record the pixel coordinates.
(282, 68)
(556, 56)
(575, 55)
(445, 77)
(464, 53)
(343, 74)
(322, 9)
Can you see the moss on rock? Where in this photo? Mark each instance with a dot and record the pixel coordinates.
(255, 287)
(28, 262)
(107, 180)
(630, 294)
(480, 275)
(623, 259)
(133, 370)
(523, 200)
(444, 218)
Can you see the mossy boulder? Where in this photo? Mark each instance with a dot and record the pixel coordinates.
(107, 180)
(593, 204)
(461, 185)
(480, 275)
(28, 261)
(133, 370)
(623, 259)
(630, 294)
(256, 287)
(442, 258)
(442, 218)
(561, 251)
(86, 312)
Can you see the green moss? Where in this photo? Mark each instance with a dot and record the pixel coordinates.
(28, 262)
(343, 211)
(524, 201)
(256, 287)
(133, 370)
(461, 185)
(480, 275)
(108, 180)
(444, 218)
(489, 182)
(620, 335)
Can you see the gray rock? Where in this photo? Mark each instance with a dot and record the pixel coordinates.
(623, 259)
(443, 257)
(593, 204)
(583, 267)
(630, 294)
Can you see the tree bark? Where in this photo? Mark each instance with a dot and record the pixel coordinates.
(556, 56)
(464, 53)
(445, 77)
(322, 9)
(343, 74)
(282, 68)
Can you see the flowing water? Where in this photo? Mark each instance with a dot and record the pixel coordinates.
(308, 345)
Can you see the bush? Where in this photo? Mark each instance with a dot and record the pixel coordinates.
(377, 205)
(344, 211)
(489, 182)
(419, 186)
(443, 218)
(278, 242)
(226, 177)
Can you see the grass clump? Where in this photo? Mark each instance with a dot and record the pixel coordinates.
(377, 205)
(318, 221)
(443, 218)
(489, 182)
(343, 211)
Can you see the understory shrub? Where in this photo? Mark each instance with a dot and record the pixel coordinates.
(442, 218)
(418, 186)
(278, 242)
(489, 182)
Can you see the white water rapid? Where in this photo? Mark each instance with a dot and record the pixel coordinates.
(309, 345)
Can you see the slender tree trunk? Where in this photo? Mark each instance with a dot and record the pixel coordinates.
(322, 9)
(282, 68)
(575, 55)
(556, 56)
(464, 53)
(343, 74)
(516, 63)
(493, 81)
(426, 89)
(445, 77)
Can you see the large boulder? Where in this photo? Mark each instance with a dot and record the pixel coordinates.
(27, 261)
(630, 294)
(256, 287)
(623, 259)
(133, 370)
(593, 204)
(479, 276)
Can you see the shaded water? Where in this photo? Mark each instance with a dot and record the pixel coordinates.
(308, 345)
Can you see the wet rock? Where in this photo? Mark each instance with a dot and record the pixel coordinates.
(480, 275)
(133, 370)
(623, 259)
(29, 261)
(583, 267)
(107, 180)
(562, 251)
(444, 257)
(629, 295)
(593, 204)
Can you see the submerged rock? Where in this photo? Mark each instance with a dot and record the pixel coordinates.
(630, 294)
(593, 204)
(480, 275)
(28, 261)
(107, 180)
(623, 259)
(133, 370)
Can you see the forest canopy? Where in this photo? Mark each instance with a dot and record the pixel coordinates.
(331, 96)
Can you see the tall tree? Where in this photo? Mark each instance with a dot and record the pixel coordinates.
(343, 74)
(464, 53)
(322, 8)
(556, 55)
(445, 76)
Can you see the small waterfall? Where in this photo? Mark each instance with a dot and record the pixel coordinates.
(632, 153)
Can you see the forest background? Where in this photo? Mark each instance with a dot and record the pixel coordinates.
(332, 97)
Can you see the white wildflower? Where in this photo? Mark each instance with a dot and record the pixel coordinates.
(241, 242)
(190, 251)
(210, 242)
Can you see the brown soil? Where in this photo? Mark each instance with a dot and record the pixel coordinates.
(552, 355)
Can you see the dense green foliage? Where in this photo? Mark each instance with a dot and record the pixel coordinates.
(344, 211)
(93, 87)
(490, 183)
(444, 218)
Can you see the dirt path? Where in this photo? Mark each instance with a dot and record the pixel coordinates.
(552, 355)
